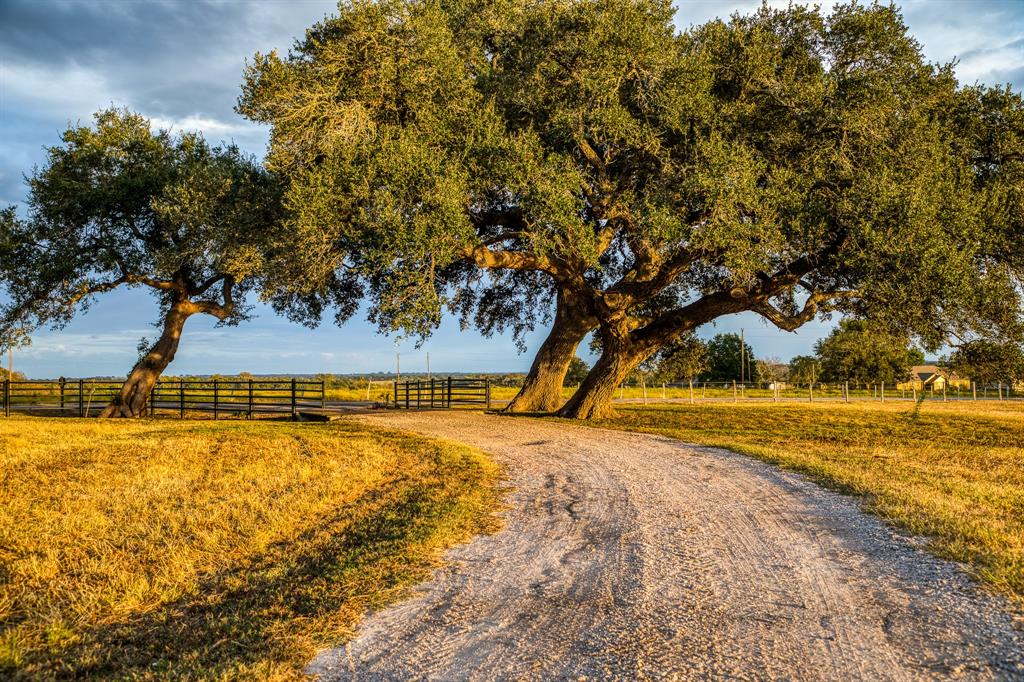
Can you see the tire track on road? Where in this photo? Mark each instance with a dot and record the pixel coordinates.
(631, 556)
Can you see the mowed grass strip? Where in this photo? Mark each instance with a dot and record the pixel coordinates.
(951, 472)
(166, 549)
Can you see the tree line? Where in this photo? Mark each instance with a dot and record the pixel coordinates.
(579, 164)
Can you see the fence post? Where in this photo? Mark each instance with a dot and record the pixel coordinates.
(323, 394)
(487, 390)
(395, 382)
(691, 390)
(216, 397)
(431, 393)
(734, 390)
(62, 394)
(7, 397)
(294, 411)
(810, 392)
(407, 394)
(974, 390)
(181, 398)
(81, 398)
(448, 400)
(846, 390)
(250, 398)
(882, 392)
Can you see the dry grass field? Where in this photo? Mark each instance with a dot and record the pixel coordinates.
(950, 472)
(227, 550)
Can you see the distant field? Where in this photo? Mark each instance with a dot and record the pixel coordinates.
(380, 391)
(227, 550)
(953, 472)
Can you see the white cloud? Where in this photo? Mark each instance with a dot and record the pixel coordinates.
(210, 127)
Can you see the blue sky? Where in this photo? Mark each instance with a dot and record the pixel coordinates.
(180, 63)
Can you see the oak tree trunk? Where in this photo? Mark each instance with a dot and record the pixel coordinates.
(542, 390)
(593, 399)
(133, 397)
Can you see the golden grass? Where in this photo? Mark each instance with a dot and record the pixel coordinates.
(951, 472)
(227, 550)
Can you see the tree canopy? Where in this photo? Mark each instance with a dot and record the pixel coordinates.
(785, 162)
(860, 352)
(724, 357)
(577, 371)
(984, 361)
(682, 360)
(121, 205)
(804, 369)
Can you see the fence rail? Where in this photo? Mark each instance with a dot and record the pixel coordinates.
(444, 393)
(228, 397)
(835, 391)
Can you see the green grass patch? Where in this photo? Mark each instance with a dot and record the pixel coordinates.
(951, 472)
(159, 549)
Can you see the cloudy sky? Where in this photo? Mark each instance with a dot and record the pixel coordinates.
(179, 62)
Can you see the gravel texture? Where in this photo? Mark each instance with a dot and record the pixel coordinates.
(630, 556)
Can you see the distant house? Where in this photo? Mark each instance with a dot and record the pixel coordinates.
(934, 378)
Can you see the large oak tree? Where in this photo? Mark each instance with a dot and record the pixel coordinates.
(121, 205)
(786, 162)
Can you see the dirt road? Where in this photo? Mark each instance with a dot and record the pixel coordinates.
(628, 556)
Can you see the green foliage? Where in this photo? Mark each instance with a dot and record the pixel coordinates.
(118, 204)
(578, 369)
(16, 376)
(769, 370)
(683, 360)
(725, 357)
(987, 361)
(786, 162)
(860, 352)
(804, 369)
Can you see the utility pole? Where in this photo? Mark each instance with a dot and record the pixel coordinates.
(398, 366)
(428, 364)
(743, 357)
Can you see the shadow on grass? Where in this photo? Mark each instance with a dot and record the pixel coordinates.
(266, 618)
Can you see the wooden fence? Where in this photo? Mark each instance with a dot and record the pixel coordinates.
(222, 397)
(443, 393)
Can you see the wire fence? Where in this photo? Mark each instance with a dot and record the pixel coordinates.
(843, 391)
(221, 397)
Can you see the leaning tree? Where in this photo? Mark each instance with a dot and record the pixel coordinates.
(786, 162)
(120, 205)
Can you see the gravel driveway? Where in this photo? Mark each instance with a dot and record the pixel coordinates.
(629, 556)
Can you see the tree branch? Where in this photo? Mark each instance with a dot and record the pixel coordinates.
(792, 322)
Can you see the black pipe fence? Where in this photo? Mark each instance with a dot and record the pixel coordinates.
(222, 397)
(444, 393)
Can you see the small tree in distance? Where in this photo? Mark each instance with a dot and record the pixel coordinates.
(768, 371)
(804, 370)
(683, 360)
(986, 361)
(859, 352)
(577, 371)
(16, 376)
(725, 361)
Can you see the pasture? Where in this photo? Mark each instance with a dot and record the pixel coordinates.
(167, 549)
(952, 473)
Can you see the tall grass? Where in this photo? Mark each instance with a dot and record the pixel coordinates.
(165, 549)
(953, 472)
